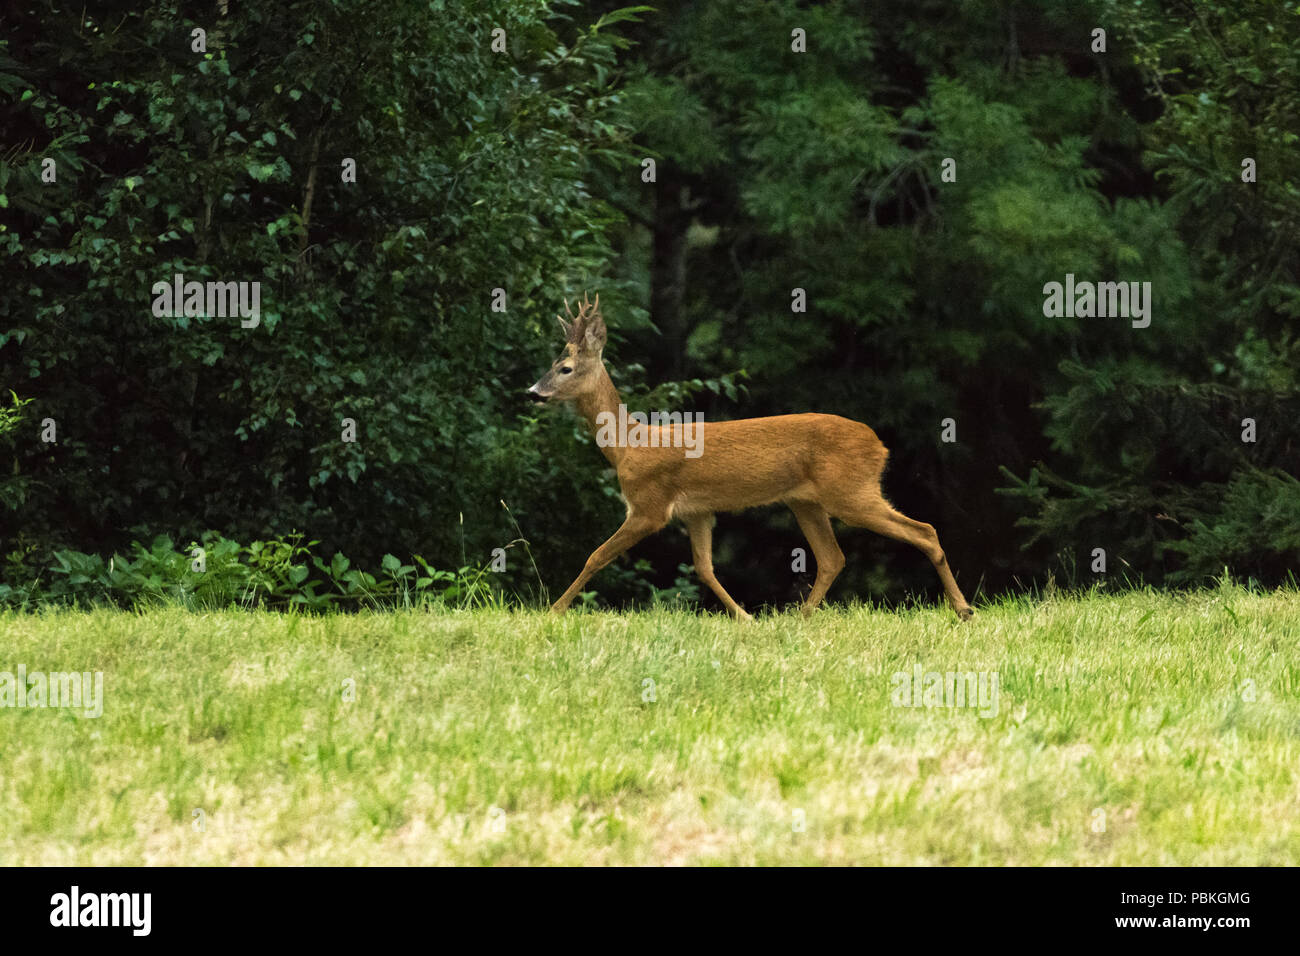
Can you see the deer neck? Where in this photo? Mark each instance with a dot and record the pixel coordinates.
(594, 405)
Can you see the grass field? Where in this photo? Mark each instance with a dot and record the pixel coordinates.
(1136, 729)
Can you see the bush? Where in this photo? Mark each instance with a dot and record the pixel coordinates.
(278, 573)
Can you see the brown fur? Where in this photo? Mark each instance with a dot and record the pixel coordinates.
(821, 466)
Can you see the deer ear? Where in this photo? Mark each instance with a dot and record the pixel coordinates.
(593, 333)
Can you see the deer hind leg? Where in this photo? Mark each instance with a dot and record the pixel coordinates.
(700, 527)
(816, 526)
(877, 515)
(629, 533)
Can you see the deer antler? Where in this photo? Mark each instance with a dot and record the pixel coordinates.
(587, 307)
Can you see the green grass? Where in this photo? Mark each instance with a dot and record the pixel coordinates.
(1126, 733)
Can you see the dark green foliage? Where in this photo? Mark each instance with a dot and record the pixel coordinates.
(776, 170)
(280, 573)
(823, 171)
(1155, 442)
(13, 486)
(471, 176)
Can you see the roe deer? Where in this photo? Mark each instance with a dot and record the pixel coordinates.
(822, 466)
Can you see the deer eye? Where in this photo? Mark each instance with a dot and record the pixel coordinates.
(565, 371)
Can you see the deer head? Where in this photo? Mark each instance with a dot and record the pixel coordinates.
(579, 367)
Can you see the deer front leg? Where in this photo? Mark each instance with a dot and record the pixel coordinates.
(632, 530)
(700, 527)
